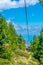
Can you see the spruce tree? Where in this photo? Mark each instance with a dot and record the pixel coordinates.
(2, 32)
(37, 47)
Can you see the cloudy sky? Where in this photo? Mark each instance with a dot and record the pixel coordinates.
(14, 11)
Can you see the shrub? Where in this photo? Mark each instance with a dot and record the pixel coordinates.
(6, 53)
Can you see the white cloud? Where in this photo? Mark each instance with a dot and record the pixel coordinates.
(33, 30)
(8, 20)
(7, 4)
(22, 29)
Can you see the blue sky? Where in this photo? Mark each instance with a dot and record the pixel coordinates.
(14, 11)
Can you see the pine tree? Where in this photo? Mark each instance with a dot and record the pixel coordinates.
(2, 31)
(40, 47)
(37, 47)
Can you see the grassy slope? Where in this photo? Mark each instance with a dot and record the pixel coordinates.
(20, 58)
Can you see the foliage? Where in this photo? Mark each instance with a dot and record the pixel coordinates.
(13, 45)
(9, 39)
(37, 47)
(4, 62)
(41, 2)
